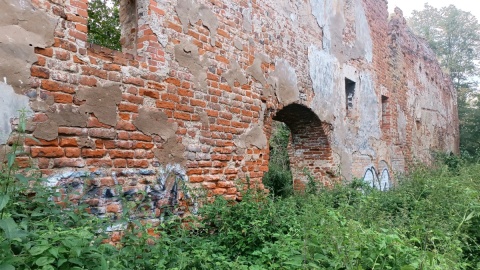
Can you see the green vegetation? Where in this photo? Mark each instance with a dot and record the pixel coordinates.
(279, 177)
(104, 23)
(429, 221)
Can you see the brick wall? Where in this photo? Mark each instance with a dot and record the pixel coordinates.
(192, 96)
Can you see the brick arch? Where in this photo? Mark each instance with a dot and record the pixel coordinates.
(309, 148)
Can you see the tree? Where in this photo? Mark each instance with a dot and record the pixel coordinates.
(104, 23)
(454, 35)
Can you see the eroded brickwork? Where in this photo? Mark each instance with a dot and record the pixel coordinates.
(192, 96)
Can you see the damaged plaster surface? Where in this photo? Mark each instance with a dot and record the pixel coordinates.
(235, 74)
(191, 12)
(324, 71)
(68, 116)
(255, 70)
(22, 28)
(47, 130)
(101, 101)
(171, 152)
(330, 17)
(284, 81)
(153, 121)
(10, 104)
(368, 122)
(253, 137)
(187, 56)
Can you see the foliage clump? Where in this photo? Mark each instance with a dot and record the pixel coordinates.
(104, 23)
(279, 177)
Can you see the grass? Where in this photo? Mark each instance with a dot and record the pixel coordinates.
(429, 220)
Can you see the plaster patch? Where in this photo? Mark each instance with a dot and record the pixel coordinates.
(253, 137)
(235, 74)
(330, 17)
(101, 101)
(156, 24)
(22, 28)
(171, 152)
(238, 44)
(46, 131)
(401, 125)
(187, 56)
(190, 12)
(85, 142)
(204, 120)
(364, 39)
(255, 70)
(369, 120)
(285, 82)
(247, 20)
(10, 104)
(41, 105)
(68, 116)
(325, 72)
(153, 121)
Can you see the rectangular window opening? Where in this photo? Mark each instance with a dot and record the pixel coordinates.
(385, 111)
(113, 24)
(349, 93)
(104, 23)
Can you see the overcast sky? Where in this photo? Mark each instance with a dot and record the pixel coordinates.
(407, 6)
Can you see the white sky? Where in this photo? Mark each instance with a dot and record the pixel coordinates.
(407, 6)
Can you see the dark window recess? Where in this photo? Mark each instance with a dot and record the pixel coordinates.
(104, 23)
(349, 93)
(385, 112)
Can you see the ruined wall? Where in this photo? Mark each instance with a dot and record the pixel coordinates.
(193, 94)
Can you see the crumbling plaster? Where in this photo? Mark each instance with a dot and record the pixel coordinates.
(199, 90)
(22, 28)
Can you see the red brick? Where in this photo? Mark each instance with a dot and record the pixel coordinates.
(113, 208)
(140, 137)
(68, 162)
(90, 71)
(62, 98)
(121, 154)
(120, 163)
(125, 125)
(125, 107)
(99, 162)
(55, 86)
(137, 163)
(48, 52)
(40, 72)
(90, 153)
(72, 152)
(50, 152)
(40, 142)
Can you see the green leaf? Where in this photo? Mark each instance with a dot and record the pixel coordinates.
(470, 216)
(4, 198)
(37, 250)
(11, 159)
(54, 251)
(22, 178)
(11, 229)
(6, 266)
(61, 262)
(407, 267)
(44, 261)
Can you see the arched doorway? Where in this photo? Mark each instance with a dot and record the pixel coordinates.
(309, 149)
